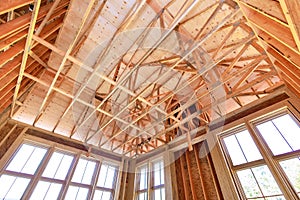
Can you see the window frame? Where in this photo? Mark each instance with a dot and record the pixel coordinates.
(269, 159)
(55, 147)
(115, 179)
(150, 177)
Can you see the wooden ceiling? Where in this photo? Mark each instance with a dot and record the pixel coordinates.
(130, 76)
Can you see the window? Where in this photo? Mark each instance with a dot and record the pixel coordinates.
(51, 182)
(150, 181)
(282, 134)
(142, 182)
(159, 180)
(21, 170)
(106, 182)
(277, 139)
(283, 131)
(81, 180)
(36, 172)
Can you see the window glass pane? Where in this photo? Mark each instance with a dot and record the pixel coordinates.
(46, 191)
(58, 166)
(158, 170)
(102, 195)
(142, 196)
(12, 187)
(289, 129)
(292, 169)
(159, 194)
(266, 181)
(282, 131)
(27, 159)
(249, 184)
(143, 178)
(84, 171)
(76, 193)
(234, 150)
(248, 146)
(107, 176)
(242, 148)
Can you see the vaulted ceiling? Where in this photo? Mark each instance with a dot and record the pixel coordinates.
(130, 76)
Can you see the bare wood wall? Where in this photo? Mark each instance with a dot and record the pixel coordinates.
(196, 176)
(8, 135)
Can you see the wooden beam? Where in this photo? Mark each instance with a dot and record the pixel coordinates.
(21, 34)
(46, 19)
(228, 35)
(136, 66)
(285, 55)
(65, 57)
(9, 54)
(285, 51)
(196, 152)
(262, 21)
(210, 66)
(291, 9)
(253, 65)
(67, 94)
(8, 68)
(10, 5)
(194, 47)
(127, 20)
(184, 178)
(26, 52)
(288, 64)
(204, 109)
(236, 59)
(21, 23)
(6, 42)
(199, 13)
(8, 92)
(8, 134)
(190, 175)
(199, 34)
(38, 59)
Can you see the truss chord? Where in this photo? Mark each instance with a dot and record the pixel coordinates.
(228, 96)
(202, 40)
(127, 20)
(27, 48)
(65, 57)
(145, 56)
(194, 47)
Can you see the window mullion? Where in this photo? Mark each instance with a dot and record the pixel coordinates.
(95, 179)
(69, 177)
(116, 186)
(149, 179)
(248, 165)
(38, 174)
(287, 155)
(274, 166)
(138, 182)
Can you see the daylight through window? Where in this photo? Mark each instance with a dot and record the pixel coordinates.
(150, 181)
(276, 138)
(36, 172)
